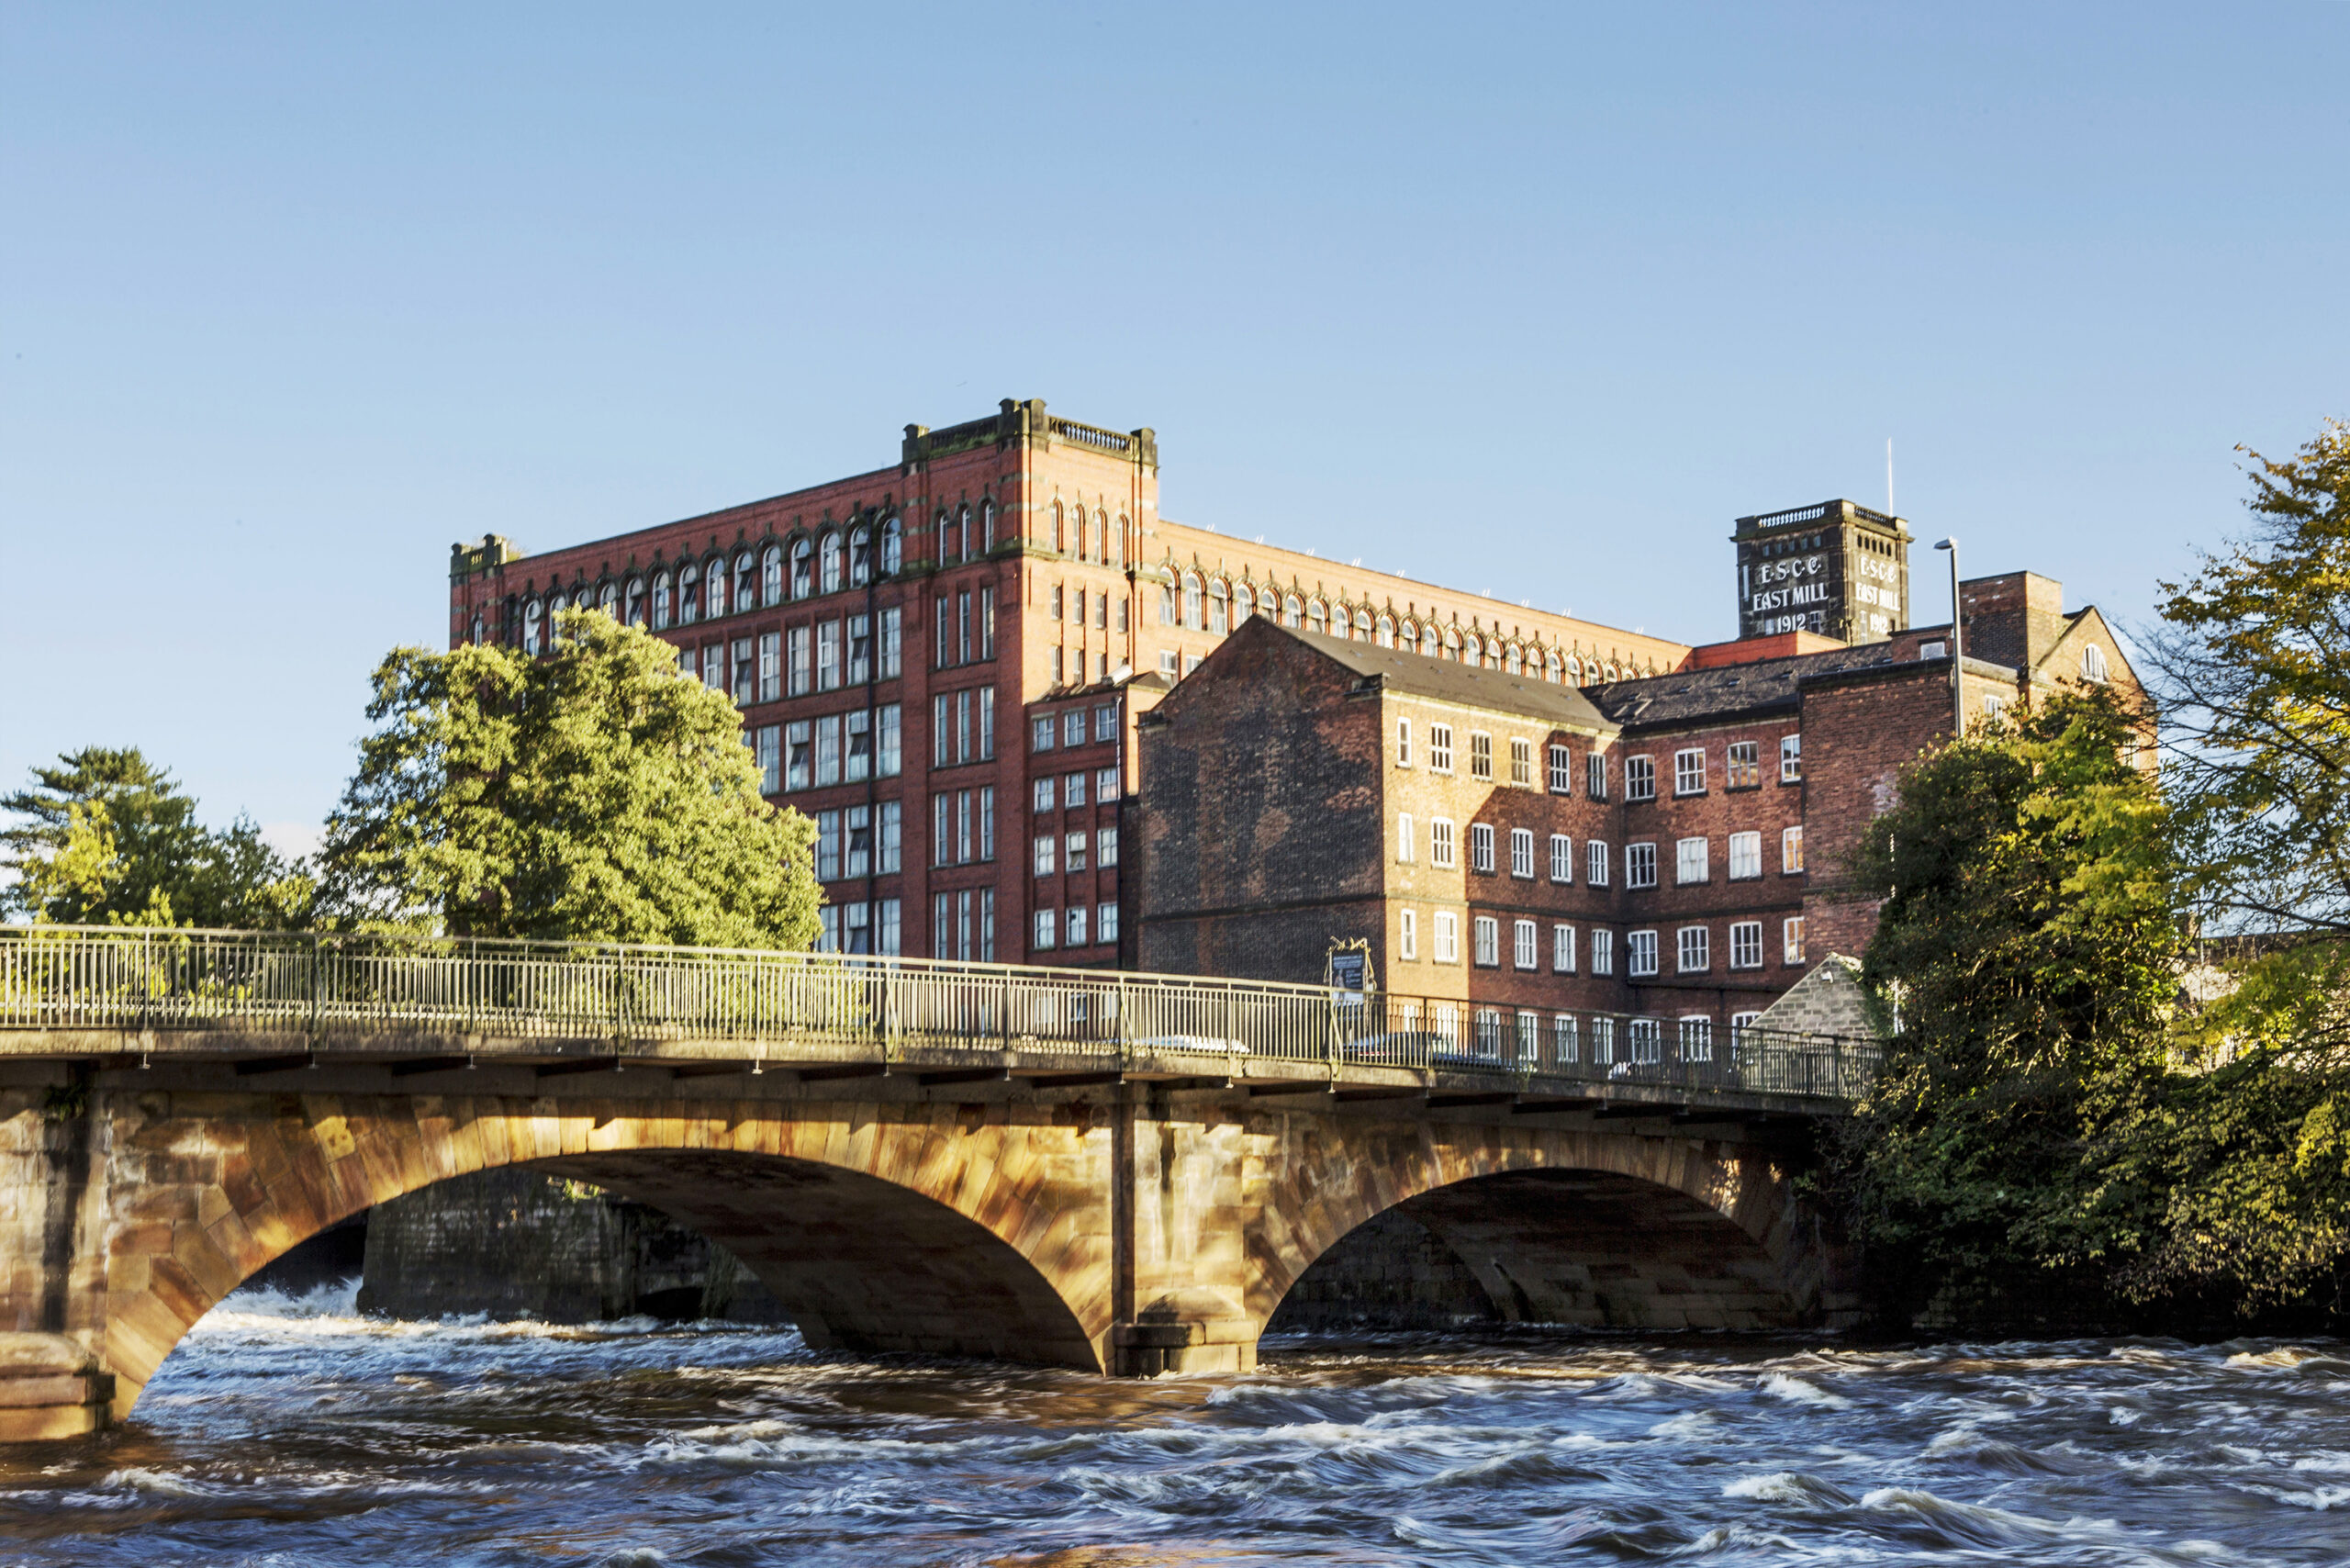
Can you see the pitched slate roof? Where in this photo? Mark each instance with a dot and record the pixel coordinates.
(1445, 681)
(1689, 696)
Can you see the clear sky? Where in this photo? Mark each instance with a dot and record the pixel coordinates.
(1529, 299)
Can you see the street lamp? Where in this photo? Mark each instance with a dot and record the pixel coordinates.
(1957, 643)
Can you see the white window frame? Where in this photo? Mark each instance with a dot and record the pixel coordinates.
(1561, 770)
(1791, 850)
(1440, 749)
(1521, 853)
(1595, 861)
(1480, 756)
(1443, 844)
(1407, 936)
(1562, 858)
(1640, 865)
(1639, 954)
(1404, 742)
(1791, 940)
(1639, 777)
(1445, 945)
(1563, 949)
(1693, 862)
(1791, 760)
(1526, 944)
(1688, 772)
(1693, 950)
(1480, 847)
(1405, 834)
(1048, 853)
(1488, 931)
(1745, 857)
(1521, 762)
(1603, 951)
(1746, 944)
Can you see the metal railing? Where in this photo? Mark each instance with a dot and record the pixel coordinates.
(332, 987)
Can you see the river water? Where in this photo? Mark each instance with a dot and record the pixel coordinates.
(292, 1433)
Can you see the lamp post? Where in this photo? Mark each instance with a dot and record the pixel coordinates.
(1957, 644)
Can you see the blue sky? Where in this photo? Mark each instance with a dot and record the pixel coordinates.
(1533, 300)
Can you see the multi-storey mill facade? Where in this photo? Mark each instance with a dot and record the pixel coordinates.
(942, 662)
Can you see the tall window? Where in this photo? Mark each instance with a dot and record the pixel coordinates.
(1521, 763)
(802, 580)
(713, 581)
(1521, 852)
(1692, 862)
(798, 754)
(1742, 766)
(1745, 856)
(2093, 664)
(634, 612)
(1562, 773)
(1219, 606)
(1441, 747)
(1403, 731)
(1526, 944)
(800, 661)
(1480, 847)
(1791, 849)
(1640, 865)
(746, 581)
(1489, 942)
(1640, 950)
(1563, 949)
(1192, 601)
(1403, 837)
(770, 666)
(828, 562)
(1746, 944)
(1407, 934)
(1594, 768)
(1603, 952)
(828, 656)
(1791, 939)
(688, 595)
(1480, 756)
(1562, 858)
(1440, 843)
(860, 556)
(1790, 759)
(1447, 936)
(893, 547)
(1689, 771)
(1639, 779)
(1595, 862)
(1696, 955)
(1244, 605)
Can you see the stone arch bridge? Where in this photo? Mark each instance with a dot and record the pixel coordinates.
(1115, 1172)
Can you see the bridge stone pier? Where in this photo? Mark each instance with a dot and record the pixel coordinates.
(1130, 1215)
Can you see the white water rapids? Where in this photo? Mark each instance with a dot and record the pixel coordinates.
(293, 1433)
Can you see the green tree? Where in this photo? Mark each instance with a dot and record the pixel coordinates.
(2030, 937)
(105, 838)
(592, 794)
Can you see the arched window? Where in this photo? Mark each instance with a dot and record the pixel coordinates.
(1191, 600)
(1473, 651)
(1292, 611)
(2093, 663)
(1609, 673)
(948, 544)
(746, 581)
(1058, 525)
(987, 527)
(1166, 605)
(1550, 667)
(477, 629)
(635, 602)
(1574, 669)
(771, 575)
(1453, 644)
(860, 556)
(828, 561)
(1101, 534)
(608, 599)
(531, 628)
(1244, 605)
(662, 601)
(893, 547)
(1317, 617)
(802, 581)
(713, 584)
(688, 595)
(1362, 625)
(1118, 544)
(1514, 660)
(1386, 635)
(1219, 606)
(968, 536)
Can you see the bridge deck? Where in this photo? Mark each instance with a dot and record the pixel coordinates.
(412, 1007)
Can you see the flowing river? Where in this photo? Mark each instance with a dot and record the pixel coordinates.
(292, 1432)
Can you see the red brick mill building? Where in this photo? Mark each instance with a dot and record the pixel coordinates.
(1037, 722)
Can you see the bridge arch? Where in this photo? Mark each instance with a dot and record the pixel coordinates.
(938, 1227)
(1561, 1226)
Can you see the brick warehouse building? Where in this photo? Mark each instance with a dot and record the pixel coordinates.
(1668, 845)
(942, 662)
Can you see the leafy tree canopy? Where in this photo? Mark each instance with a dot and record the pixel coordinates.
(105, 838)
(592, 794)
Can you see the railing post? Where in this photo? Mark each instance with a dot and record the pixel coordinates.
(314, 990)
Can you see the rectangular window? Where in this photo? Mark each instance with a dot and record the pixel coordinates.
(1489, 1032)
(942, 632)
(1408, 934)
(1790, 759)
(856, 928)
(859, 861)
(1040, 736)
(829, 938)
(1563, 949)
(986, 925)
(1696, 1037)
(1746, 944)
(769, 751)
(1489, 942)
(1440, 748)
(1791, 849)
(887, 926)
(986, 722)
(799, 660)
(1745, 856)
(1480, 847)
(1640, 865)
(1739, 1025)
(891, 847)
(1106, 922)
(860, 744)
(1562, 858)
(1048, 851)
(828, 751)
(1073, 791)
(1521, 852)
(1791, 940)
(1403, 742)
(1529, 1037)
(1106, 785)
(1073, 727)
(1644, 1037)
(963, 726)
(1056, 610)
(1048, 925)
(1692, 862)
(860, 649)
(1639, 948)
(1595, 862)
(1106, 844)
(890, 753)
(963, 827)
(1048, 791)
(1105, 722)
(1440, 843)
(1077, 913)
(1689, 771)
(1076, 850)
(987, 822)
(746, 671)
(1448, 937)
(1562, 773)
(942, 828)
(1594, 772)
(987, 624)
(1639, 779)
(1167, 662)
(893, 656)
(1480, 756)
(828, 656)
(713, 667)
(828, 846)
(770, 666)
(942, 729)
(1603, 952)
(1742, 766)
(1403, 837)
(1526, 944)
(1058, 678)
(1696, 953)
(963, 627)
(1565, 1046)
(1521, 763)
(799, 761)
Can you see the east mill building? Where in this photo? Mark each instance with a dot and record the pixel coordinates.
(945, 663)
